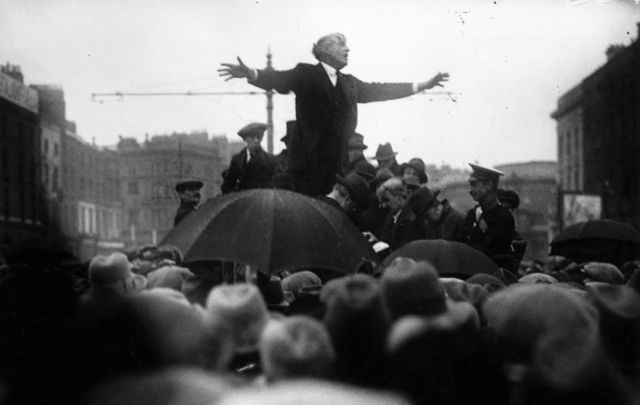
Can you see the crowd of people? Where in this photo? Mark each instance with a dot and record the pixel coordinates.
(144, 327)
(147, 327)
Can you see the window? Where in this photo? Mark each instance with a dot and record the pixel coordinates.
(55, 149)
(133, 187)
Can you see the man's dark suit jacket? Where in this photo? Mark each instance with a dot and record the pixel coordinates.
(326, 118)
(255, 174)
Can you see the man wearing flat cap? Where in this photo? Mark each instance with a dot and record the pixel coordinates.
(252, 167)
(326, 108)
(189, 194)
(489, 227)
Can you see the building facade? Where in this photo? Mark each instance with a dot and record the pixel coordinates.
(21, 194)
(91, 204)
(149, 172)
(598, 132)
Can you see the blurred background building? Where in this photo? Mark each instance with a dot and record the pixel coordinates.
(598, 132)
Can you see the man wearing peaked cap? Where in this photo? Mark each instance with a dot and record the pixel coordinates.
(489, 227)
(189, 194)
(252, 167)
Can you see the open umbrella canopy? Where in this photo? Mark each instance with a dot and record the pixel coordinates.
(597, 240)
(452, 259)
(273, 230)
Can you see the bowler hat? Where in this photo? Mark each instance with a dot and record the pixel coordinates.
(484, 173)
(356, 142)
(358, 188)
(188, 185)
(385, 152)
(255, 128)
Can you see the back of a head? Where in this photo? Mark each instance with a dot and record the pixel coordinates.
(174, 386)
(525, 313)
(412, 288)
(241, 309)
(296, 347)
(312, 392)
(358, 322)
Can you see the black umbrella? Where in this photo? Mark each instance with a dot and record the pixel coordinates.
(602, 240)
(273, 230)
(453, 259)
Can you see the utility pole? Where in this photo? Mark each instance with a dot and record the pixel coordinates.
(269, 108)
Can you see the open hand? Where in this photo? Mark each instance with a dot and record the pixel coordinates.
(230, 70)
(435, 81)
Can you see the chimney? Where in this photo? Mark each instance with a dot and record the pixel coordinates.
(13, 71)
(613, 50)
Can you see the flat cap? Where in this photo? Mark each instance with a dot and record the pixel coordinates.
(188, 185)
(484, 173)
(255, 128)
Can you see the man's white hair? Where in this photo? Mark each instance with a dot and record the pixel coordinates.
(320, 48)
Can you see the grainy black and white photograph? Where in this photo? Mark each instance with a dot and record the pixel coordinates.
(282, 202)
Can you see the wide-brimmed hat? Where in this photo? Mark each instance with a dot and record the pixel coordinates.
(357, 186)
(241, 309)
(356, 142)
(297, 346)
(255, 129)
(422, 176)
(113, 273)
(385, 152)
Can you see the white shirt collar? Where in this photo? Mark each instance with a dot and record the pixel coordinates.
(331, 71)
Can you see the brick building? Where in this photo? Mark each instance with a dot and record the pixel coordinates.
(91, 205)
(598, 130)
(21, 194)
(149, 172)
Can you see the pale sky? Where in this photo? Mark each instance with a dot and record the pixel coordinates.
(509, 62)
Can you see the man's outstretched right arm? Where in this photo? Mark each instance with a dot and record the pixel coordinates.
(237, 71)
